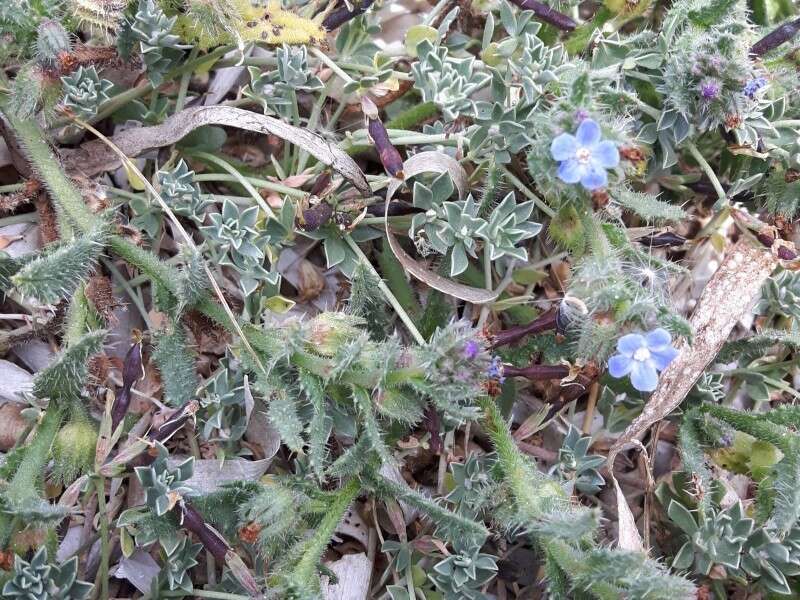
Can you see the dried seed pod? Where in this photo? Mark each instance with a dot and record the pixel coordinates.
(208, 536)
(316, 216)
(547, 14)
(537, 372)
(662, 240)
(545, 322)
(341, 15)
(775, 38)
(389, 155)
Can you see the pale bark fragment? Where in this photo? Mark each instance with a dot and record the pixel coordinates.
(728, 296)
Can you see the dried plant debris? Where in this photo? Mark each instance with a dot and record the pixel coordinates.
(399, 300)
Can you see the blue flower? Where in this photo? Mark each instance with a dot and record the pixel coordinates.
(641, 356)
(752, 87)
(495, 370)
(584, 156)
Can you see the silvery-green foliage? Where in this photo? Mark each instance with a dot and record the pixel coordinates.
(634, 291)
(456, 362)
(85, 91)
(473, 485)
(508, 226)
(161, 49)
(40, 580)
(499, 131)
(464, 573)
(278, 511)
(51, 41)
(780, 295)
(448, 226)
(177, 562)
(276, 89)
(236, 233)
(224, 403)
(715, 537)
(770, 559)
(162, 484)
(578, 467)
(20, 18)
(180, 192)
(445, 80)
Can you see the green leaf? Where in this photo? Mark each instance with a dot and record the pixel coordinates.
(649, 207)
(176, 365)
(65, 376)
(57, 274)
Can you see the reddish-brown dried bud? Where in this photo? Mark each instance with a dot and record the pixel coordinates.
(631, 153)
(249, 533)
(100, 294)
(600, 199)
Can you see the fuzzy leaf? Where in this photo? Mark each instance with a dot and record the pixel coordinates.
(58, 274)
(650, 207)
(65, 377)
(176, 365)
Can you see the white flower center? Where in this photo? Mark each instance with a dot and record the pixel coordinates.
(583, 155)
(641, 355)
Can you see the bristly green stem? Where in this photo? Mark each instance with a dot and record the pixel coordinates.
(412, 328)
(542, 206)
(305, 570)
(105, 545)
(703, 163)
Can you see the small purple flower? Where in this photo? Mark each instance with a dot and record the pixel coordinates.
(495, 370)
(584, 156)
(709, 89)
(752, 87)
(642, 356)
(471, 349)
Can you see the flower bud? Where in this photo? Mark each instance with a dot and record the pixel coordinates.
(330, 331)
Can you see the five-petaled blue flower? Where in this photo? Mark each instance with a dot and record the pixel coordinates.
(641, 356)
(584, 156)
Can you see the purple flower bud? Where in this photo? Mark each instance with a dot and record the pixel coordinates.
(709, 89)
(471, 349)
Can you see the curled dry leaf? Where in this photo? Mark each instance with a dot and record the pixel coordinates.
(95, 157)
(434, 162)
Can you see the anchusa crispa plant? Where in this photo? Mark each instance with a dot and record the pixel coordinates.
(305, 296)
